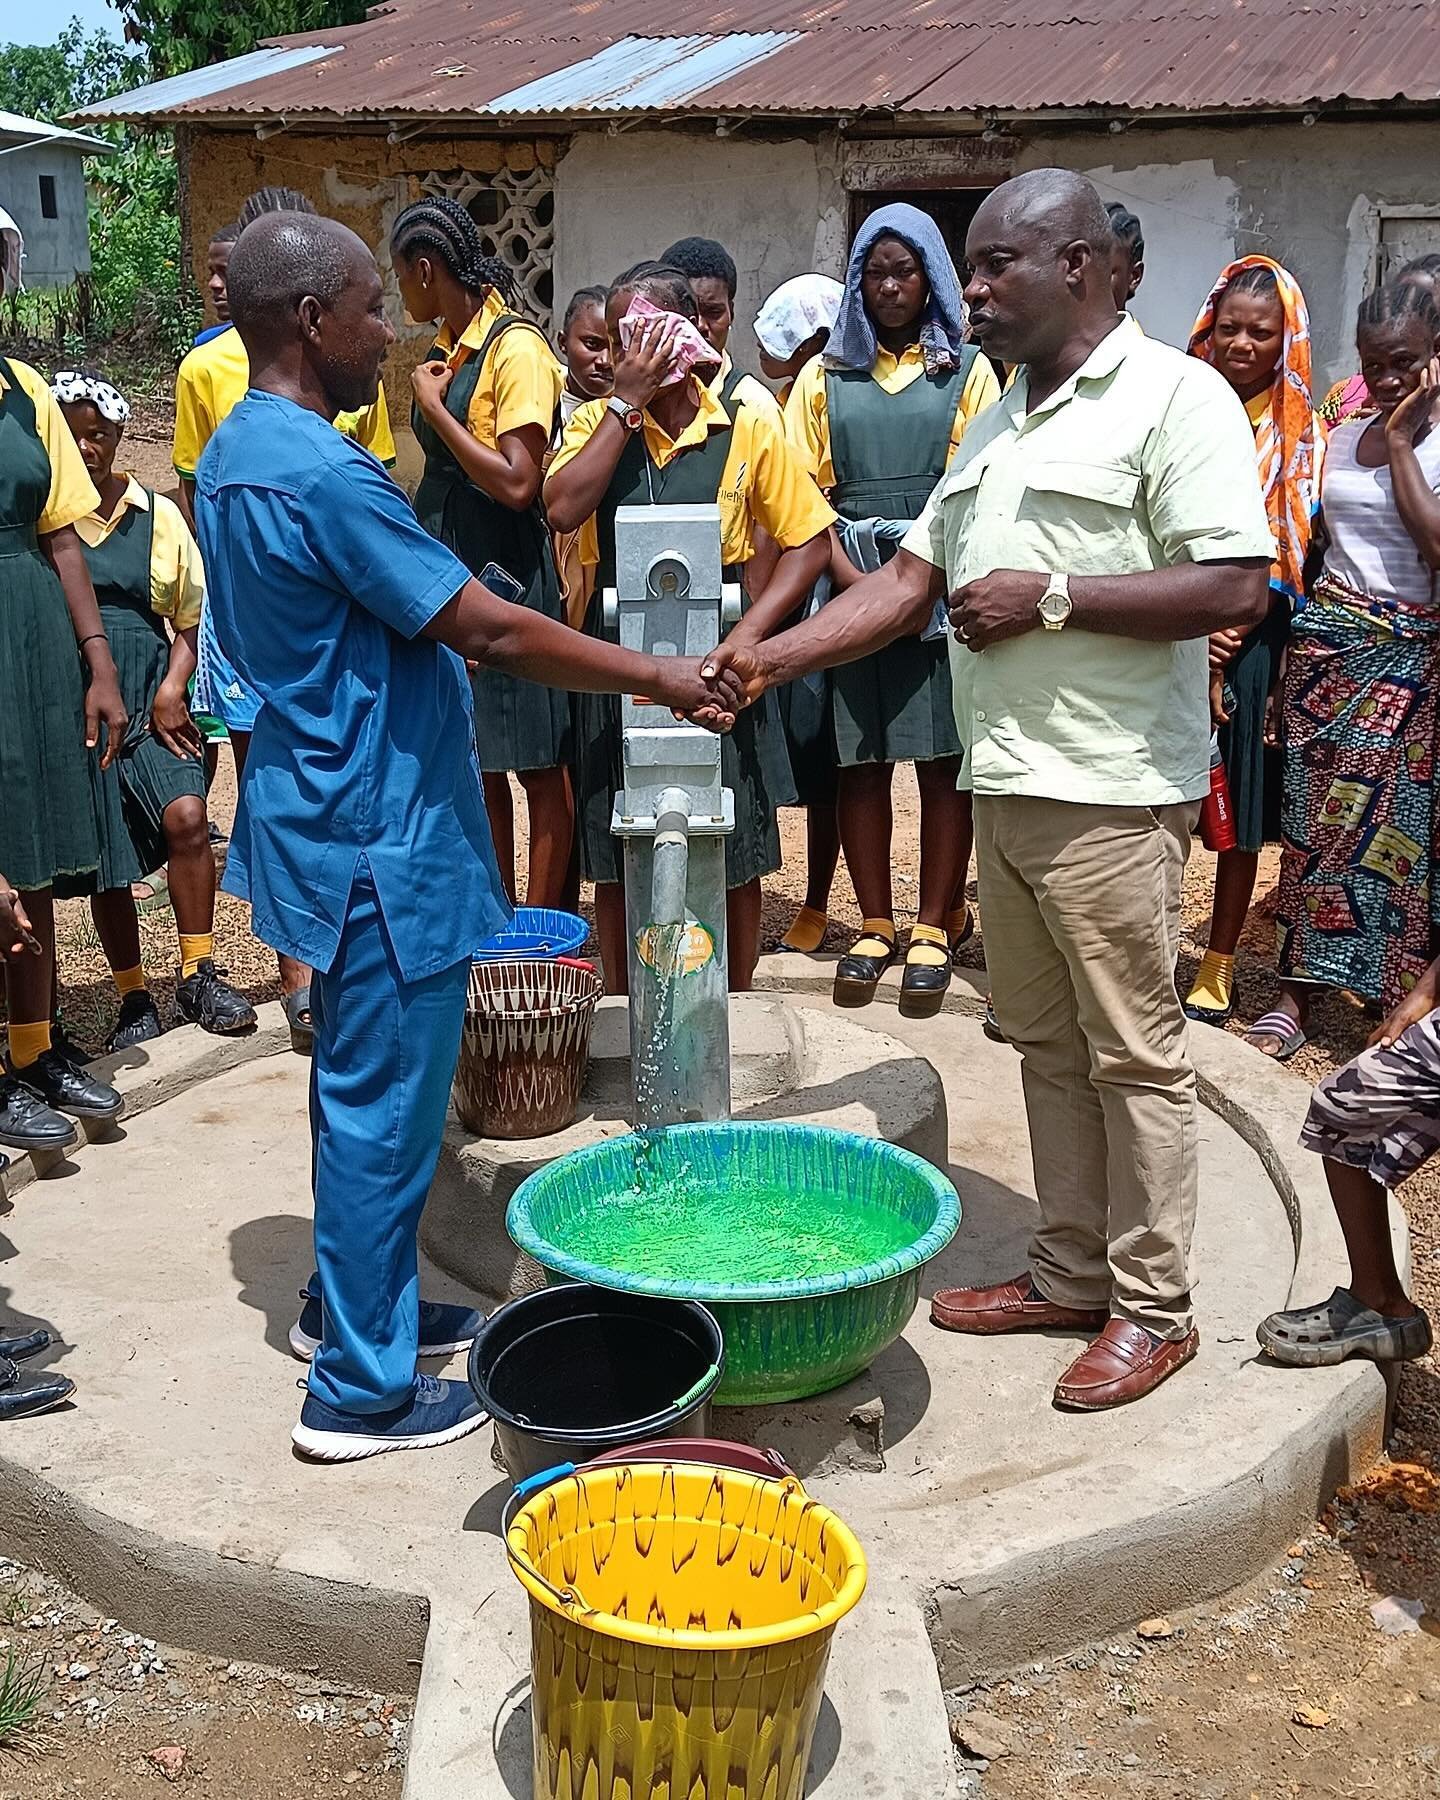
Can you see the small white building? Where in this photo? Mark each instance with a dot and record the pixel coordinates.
(42, 187)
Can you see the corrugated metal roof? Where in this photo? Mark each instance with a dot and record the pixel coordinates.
(179, 92)
(543, 60)
(36, 131)
(642, 73)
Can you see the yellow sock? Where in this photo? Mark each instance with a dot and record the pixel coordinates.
(956, 922)
(1214, 983)
(27, 1043)
(877, 938)
(128, 981)
(194, 949)
(929, 947)
(807, 932)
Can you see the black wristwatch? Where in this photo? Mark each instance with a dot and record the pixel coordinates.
(629, 416)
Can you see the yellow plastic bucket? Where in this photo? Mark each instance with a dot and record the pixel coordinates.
(680, 1625)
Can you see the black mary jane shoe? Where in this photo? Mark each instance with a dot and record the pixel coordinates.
(27, 1123)
(857, 977)
(924, 985)
(16, 1349)
(70, 1090)
(22, 1395)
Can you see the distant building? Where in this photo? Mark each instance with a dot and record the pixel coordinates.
(42, 187)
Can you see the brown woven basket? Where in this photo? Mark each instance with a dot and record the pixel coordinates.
(526, 1046)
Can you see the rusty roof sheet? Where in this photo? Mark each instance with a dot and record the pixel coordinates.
(516, 59)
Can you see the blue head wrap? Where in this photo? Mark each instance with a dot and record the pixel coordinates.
(945, 322)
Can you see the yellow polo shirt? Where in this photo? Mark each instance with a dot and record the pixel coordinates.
(177, 577)
(1142, 459)
(807, 417)
(215, 377)
(762, 483)
(520, 383)
(72, 493)
(748, 391)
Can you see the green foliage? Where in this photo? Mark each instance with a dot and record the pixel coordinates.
(137, 288)
(184, 34)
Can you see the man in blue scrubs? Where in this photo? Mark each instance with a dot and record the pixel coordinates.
(361, 840)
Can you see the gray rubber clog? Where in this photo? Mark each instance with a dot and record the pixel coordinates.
(1318, 1337)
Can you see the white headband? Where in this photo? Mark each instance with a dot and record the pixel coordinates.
(70, 386)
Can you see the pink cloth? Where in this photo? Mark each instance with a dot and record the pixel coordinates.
(687, 347)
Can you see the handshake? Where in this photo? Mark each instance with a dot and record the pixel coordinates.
(711, 691)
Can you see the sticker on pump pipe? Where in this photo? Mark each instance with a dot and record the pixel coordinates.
(675, 949)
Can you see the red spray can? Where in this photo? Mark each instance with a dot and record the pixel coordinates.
(1217, 815)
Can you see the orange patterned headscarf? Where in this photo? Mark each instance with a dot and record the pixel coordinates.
(1285, 438)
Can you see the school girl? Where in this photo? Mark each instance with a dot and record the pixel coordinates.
(150, 803)
(665, 438)
(485, 407)
(875, 421)
(50, 721)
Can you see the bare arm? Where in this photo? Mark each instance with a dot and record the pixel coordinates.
(170, 719)
(1187, 600)
(185, 500)
(511, 472)
(495, 634)
(103, 705)
(576, 488)
(795, 573)
(1417, 505)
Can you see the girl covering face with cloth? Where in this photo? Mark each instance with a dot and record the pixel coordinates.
(1255, 329)
(150, 803)
(485, 407)
(664, 438)
(875, 421)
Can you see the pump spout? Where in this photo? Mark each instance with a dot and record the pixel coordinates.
(671, 872)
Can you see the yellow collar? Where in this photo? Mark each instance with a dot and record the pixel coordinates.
(134, 495)
(886, 362)
(711, 416)
(474, 334)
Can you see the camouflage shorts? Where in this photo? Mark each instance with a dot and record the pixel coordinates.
(1381, 1112)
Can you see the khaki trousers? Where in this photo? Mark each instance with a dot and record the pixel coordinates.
(1081, 911)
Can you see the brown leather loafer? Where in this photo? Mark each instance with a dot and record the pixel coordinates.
(1123, 1364)
(1009, 1307)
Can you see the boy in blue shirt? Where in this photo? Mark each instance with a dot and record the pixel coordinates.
(361, 840)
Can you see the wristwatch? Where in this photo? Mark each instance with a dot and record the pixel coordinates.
(629, 416)
(1055, 605)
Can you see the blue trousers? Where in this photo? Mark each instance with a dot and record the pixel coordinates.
(385, 1051)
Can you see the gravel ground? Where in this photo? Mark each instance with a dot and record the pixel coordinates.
(1209, 1709)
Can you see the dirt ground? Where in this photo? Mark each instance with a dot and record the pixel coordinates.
(123, 1717)
(1209, 1707)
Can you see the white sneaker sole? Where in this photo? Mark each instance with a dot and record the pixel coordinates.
(346, 1446)
(303, 1346)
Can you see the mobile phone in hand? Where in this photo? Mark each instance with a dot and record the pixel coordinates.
(501, 583)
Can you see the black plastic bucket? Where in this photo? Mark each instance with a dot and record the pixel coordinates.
(573, 1371)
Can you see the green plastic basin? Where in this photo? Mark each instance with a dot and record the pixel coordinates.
(806, 1242)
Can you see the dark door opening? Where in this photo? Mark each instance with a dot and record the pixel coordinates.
(952, 209)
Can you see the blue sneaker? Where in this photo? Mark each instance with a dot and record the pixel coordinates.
(438, 1412)
(443, 1329)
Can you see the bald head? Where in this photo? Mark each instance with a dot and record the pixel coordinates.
(1056, 203)
(1039, 250)
(305, 297)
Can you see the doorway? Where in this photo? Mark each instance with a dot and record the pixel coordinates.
(952, 209)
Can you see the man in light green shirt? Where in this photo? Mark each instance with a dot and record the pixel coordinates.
(1097, 524)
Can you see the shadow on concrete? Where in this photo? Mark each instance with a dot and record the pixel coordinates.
(272, 1259)
(513, 1742)
(825, 1746)
(15, 1323)
(993, 1241)
(485, 1513)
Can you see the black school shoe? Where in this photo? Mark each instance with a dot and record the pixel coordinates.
(24, 1395)
(27, 1123)
(138, 1023)
(857, 977)
(207, 1000)
(70, 1090)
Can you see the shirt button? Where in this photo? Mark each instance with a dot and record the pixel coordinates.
(981, 717)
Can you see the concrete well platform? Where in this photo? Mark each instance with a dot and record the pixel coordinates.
(997, 1529)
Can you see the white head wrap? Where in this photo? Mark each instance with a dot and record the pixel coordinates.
(795, 312)
(70, 386)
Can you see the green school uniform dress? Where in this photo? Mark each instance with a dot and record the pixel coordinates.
(47, 820)
(519, 724)
(888, 452)
(132, 794)
(753, 763)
